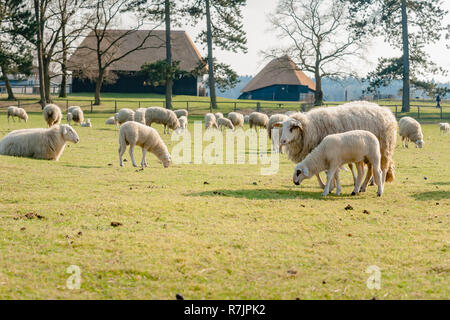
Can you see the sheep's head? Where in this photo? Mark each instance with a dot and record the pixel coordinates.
(291, 130)
(175, 123)
(301, 173)
(69, 134)
(25, 117)
(419, 143)
(166, 160)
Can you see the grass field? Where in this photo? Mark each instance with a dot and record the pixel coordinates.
(217, 231)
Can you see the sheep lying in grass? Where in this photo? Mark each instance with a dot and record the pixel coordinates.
(210, 121)
(125, 115)
(139, 115)
(17, 112)
(444, 127)
(183, 122)
(338, 149)
(134, 133)
(52, 114)
(111, 120)
(87, 123)
(181, 112)
(237, 119)
(276, 146)
(410, 130)
(224, 122)
(38, 143)
(218, 115)
(258, 119)
(75, 114)
(162, 116)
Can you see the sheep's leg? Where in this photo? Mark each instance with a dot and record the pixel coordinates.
(122, 149)
(352, 169)
(330, 178)
(360, 169)
(143, 162)
(131, 151)
(321, 184)
(338, 183)
(368, 177)
(377, 174)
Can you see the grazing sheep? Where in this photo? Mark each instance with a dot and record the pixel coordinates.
(87, 123)
(338, 149)
(125, 115)
(290, 113)
(52, 114)
(444, 127)
(162, 116)
(76, 114)
(218, 115)
(111, 120)
(302, 132)
(210, 121)
(139, 115)
(17, 112)
(224, 122)
(258, 119)
(135, 133)
(246, 117)
(410, 130)
(183, 122)
(38, 143)
(181, 112)
(276, 146)
(237, 119)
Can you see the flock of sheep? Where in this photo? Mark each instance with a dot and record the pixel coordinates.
(324, 139)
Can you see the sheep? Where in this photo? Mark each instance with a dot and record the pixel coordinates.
(52, 114)
(444, 127)
(135, 133)
(183, 122)
(302, 132)
(210, 121)
(218, 115)
(409, 129)
(338, 149)
(17, 112)
(237, 119)
(290, 113)
(258, 119)
(87, 123)
(47, 144)
(125, 115)
(224, 122)
(111, 120)
(76, 114)
(270, 125)
(162, 116)
(181, 112)
(139, 115)
(246, 117)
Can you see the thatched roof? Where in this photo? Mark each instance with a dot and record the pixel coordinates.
(183, 50)
(279, 71)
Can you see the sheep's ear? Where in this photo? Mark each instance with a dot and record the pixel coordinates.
(278, 125)
(64, 130)
(296, 124)
(306, 171)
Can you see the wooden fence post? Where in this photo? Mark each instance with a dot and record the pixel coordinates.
(235, 107)
(139, 103)
(395, 111)
(18, 103)
(115, 106)
(187, 105)
(418, 112)
(258, 106)
(441, 111)
(91, 106)
(67, 105)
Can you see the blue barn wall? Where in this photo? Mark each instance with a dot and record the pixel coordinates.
(276, 93)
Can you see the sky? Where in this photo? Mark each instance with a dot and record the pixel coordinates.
(260, 37)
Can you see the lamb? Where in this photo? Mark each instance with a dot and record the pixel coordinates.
(135, 133)
(237, 119)
(181, 112)
(38, 143)
(139, 115)
(410, 130)
(444, 127)
(210, 121)
(111, 120)
(270, 126)
(52, 114)
(125, 115)
(218, 115)
(224, 122)
(338, 149)
(17, 112)
(87, 123)
(76, 114)
(183, 122)
(258, 119)
(302, 132)
(162, 116)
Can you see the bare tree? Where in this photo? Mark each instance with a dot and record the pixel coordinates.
(316, 31)
(40, 7)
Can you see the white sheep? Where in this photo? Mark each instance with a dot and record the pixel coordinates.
(181, 112)
(135, 133)
(258, 119)
(276, 118)
(52, 114)
(218, 115)
(75, 114)
(111, 120)
(237, 119)
(290, 113)
(162, 116)
(17, 112)
(139, 115)
(224, 122)
(338, 149)
(444, 127)
(87, 123)
(210, 121)
(38, 143)
(183, 122)
(246, 117)
(410, 130)
(125, 115)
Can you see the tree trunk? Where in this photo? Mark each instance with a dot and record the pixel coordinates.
(318, 94)
(98, 87)
(62, 88)
(169, 79)
(7, 84)
(38, 12)
(212, 82)
(46, 67)
(405, 100)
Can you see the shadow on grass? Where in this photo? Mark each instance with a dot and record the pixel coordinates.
(431, 195)
(83, 167)
(447, 183)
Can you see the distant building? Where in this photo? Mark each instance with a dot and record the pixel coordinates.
(280, 80)
(126, 70)
(22, 84)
